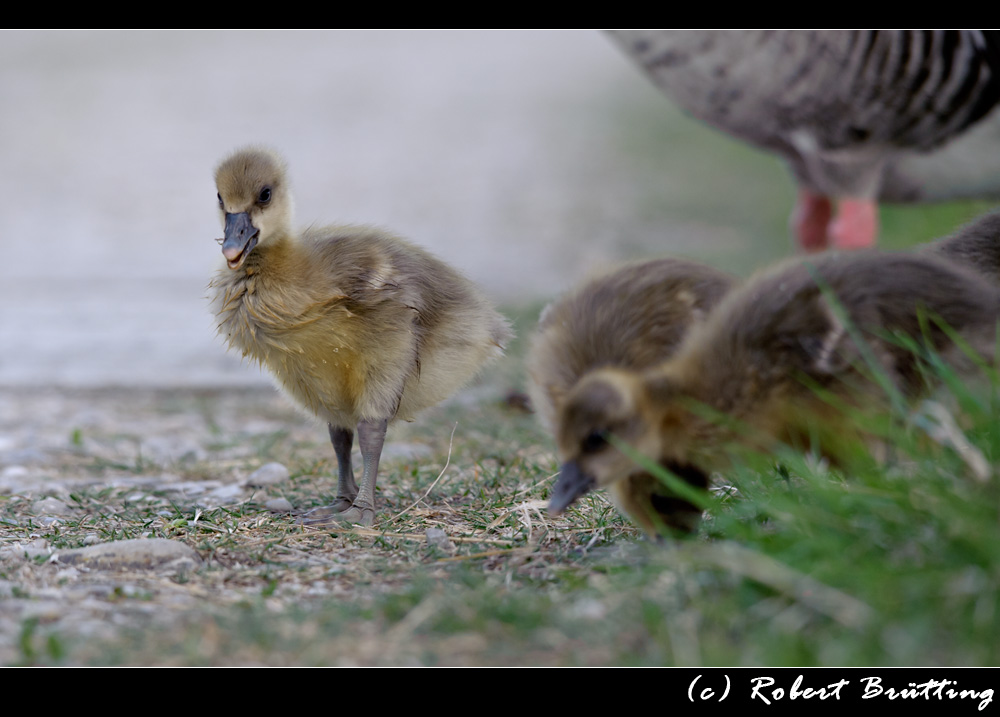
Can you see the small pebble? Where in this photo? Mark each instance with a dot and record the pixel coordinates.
(439, 539)
(268, 474)
(154, 554)
(225, 494)
(50, 506)
(279, 505)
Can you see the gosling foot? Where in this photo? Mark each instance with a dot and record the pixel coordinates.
(362, 516)
(326, 514)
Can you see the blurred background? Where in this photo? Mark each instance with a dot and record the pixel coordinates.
(526, 159)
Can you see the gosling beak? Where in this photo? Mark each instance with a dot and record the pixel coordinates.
(571, 485)
(241, 238)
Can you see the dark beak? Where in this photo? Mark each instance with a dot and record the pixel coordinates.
(241, 238)
(571, 485)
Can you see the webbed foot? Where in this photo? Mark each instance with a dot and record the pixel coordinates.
(326, 514)
(362, 516)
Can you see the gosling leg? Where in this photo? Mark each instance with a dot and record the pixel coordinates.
(342, 440)
(347, 490)
(371, 436)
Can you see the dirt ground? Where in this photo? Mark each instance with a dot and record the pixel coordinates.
(90, 468)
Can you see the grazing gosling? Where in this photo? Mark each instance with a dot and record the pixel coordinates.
(767, 360)
(632, 318)
(357, 326)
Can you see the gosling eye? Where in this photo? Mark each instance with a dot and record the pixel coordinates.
(265, 196)
(221, 205)
(594, 442)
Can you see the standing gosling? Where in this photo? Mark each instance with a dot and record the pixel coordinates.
(632, 318)
(761, 370)
(357, 326)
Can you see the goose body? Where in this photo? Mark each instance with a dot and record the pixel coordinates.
(357, 326)
(768, 359)
(838, 106)
(631, 318)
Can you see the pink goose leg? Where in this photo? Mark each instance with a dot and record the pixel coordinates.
(810, 219)
(856, 225)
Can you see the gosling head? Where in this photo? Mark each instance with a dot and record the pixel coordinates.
(649, 412)
(603, 403)
(254, 202)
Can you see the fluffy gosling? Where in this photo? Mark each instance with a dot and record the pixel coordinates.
(357, 326)
(632, 318)
(768, 360)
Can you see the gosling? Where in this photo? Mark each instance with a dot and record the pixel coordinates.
(357, 326)
(772, 362)
(632, 318)
(976, 246)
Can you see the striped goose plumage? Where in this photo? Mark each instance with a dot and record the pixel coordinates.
(841, 107)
